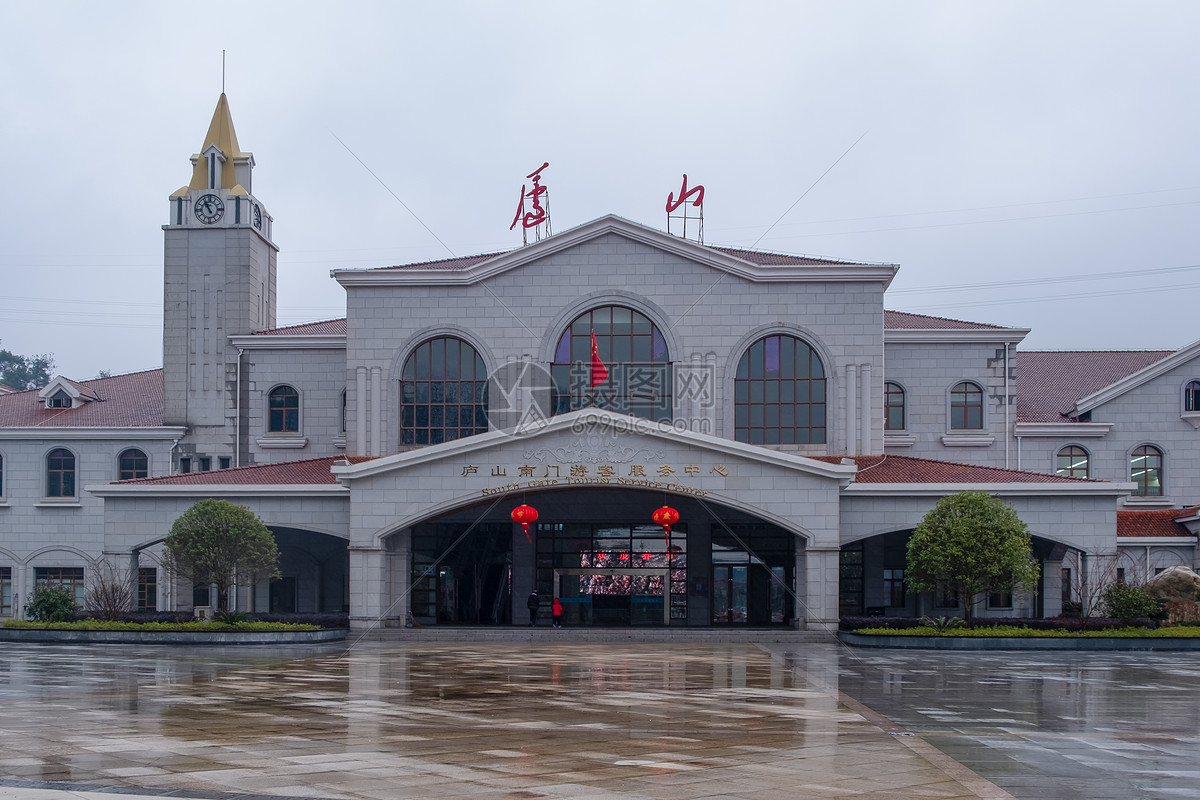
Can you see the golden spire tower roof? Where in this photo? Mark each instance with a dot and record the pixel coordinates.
(221, 134)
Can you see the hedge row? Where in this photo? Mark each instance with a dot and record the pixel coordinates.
(174, 617)
(1051, 624)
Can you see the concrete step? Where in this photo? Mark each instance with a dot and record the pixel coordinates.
(444, 633)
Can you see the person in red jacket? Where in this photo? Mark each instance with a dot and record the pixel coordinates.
(556, 612)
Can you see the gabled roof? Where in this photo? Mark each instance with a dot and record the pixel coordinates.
(905, 469)
(1154, 524)
(121, 401)
(902, 320)
(892, 320)
(313, 471)
(328, 327)
(1148, 373)
(749, 264)
(1050, 383)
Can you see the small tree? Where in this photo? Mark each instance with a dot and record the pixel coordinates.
(51, 603)
(222, 543)
(972, 543)
(109, 591)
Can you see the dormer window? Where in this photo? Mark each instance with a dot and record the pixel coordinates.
(59, 399)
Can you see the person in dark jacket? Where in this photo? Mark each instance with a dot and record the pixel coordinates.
(532, 604)
(556, 612)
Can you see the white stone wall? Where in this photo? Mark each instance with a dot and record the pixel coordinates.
(218, 282)
(927, 372)
(1149, 414)
(703, 313)
(1086, 521)
(36, 531)
(319, 376)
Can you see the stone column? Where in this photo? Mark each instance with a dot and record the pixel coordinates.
(851, 414)
(822, 591)
(1052, 588)
(800, 598)
(368, 587)
(360, 412)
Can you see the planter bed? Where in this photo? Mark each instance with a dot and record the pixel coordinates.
(1019, 642)
(171, 637)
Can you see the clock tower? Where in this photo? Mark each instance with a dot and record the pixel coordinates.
(219, 272)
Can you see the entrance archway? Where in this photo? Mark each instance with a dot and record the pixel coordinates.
(597, 550)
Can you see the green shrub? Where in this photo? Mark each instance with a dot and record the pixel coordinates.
(943, 624)
(231, 618)
(1125, 601)
(50, 603)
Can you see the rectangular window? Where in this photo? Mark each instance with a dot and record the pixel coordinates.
(69, 578)
(893, 588)
(1000, 600)
(147, 599)
(223, 462)
(6, 591)
(1120, 574)
(205, 463)
(1066, 585)
(946, 597)
(185, 465)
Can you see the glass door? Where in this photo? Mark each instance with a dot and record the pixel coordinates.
(729, 594)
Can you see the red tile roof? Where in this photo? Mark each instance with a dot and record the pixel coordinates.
(766, 258)
(763, 258)
(1050, 382)
(313, 471)
(329, 327)
(134, 400)
(1153, 523)
(905, 469)
(449, 264)
(902, 320)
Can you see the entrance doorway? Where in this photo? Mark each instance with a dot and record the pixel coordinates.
(613, 597)
(462, 574)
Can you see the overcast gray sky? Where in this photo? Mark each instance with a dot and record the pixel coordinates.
(1027, 164)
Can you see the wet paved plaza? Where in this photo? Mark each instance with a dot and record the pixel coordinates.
(529, 720)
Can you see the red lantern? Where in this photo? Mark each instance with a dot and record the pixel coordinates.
(524, 515)
(666, 516)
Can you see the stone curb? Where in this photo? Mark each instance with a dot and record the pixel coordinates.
(1016, 642)
(156, 637)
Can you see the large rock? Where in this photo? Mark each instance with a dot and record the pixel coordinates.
(1178, 588)
(1175, 583)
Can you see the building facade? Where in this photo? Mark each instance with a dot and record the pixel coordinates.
(798, 428)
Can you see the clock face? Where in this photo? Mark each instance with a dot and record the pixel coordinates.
(257, 217)
(209, 209)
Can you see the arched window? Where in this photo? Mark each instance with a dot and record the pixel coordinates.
(779, 393)
(634, 354)
(966, 407)
(893, 406)
(443, 393)
(1146, 470)
(283, 410)
(60, 473)
(132, 463)
(1191, 396)
(1072, 462)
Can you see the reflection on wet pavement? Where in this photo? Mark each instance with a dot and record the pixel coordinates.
(1090, 726)
(388, 720)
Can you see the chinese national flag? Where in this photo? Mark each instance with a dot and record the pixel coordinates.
(599, 371)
